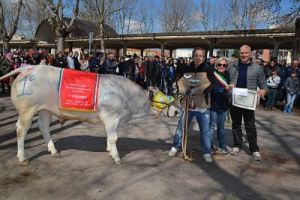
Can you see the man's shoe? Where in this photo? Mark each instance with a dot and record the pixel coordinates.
(214, 147)
(256, 156)
(221, 151)
(235, 151)
(207, 157)
(173, 152)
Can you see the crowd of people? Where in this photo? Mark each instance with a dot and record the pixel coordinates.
(277, 82)
(154, 70)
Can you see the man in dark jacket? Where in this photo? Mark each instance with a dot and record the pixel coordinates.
(77, 64)
(94, 63)
(60, 61)
(152, 71)
(198, 101)
(128, 66)
(110, 65)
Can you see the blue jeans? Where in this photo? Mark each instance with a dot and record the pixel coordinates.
(290, 102)
(218, 118)
(203, 123)
(272, 96)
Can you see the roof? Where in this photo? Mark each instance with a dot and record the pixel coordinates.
(80, 28)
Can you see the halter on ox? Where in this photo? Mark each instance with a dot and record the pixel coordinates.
(161, 102)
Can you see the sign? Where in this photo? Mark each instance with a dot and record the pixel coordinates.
(244, 98)
(78, 90)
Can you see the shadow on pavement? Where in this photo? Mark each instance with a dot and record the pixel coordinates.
(98, 144)
(13, 134)
(284, 144)
(231, 184)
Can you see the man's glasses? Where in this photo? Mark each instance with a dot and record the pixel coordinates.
(220, 65)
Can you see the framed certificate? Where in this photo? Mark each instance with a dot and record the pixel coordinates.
(244, 98)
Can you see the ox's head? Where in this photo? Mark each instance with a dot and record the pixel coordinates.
(163, 104)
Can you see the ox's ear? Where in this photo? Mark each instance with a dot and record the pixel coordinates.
(152, 91)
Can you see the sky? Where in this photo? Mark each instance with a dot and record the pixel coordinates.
(285, 5)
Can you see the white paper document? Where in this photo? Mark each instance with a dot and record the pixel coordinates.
(242, 100)
(240, 91)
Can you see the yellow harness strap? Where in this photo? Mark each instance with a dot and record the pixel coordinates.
(161, 101)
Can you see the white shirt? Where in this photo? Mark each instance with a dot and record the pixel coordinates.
(70, 61)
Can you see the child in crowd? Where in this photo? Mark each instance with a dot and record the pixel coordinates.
(292, 87)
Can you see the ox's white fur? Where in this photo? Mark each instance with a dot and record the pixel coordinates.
(35, 90)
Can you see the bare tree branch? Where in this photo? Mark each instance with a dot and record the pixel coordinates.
(7, 34)
(176, 15)
(60, 26)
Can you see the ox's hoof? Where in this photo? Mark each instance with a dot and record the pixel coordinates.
(56, 155)
(24, 163)
(118, 162)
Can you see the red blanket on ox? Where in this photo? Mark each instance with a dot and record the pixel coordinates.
(78, 90)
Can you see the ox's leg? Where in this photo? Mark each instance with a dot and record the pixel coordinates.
(44, 126)
(23, 125)
(108, 146)
(111, 125)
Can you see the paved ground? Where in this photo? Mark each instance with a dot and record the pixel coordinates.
(85, 171)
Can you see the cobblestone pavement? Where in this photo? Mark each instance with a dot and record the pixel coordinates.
(85, 171)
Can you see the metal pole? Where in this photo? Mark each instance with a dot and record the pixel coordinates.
(91, 35)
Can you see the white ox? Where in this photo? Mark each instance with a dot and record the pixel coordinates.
(36, 90)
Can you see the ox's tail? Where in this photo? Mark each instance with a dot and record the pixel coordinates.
(22, 69)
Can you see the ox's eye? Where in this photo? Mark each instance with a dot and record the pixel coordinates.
(150, 94)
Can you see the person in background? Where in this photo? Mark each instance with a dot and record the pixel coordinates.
(43, 60)
(152, 71)
(271, 67)
(140, 79)
(109, 65)
(70, 60)
(171, 77)
(273, 83)
(51, 59)
(60, 60)
(6, 65)
(212, 61)
(120, 67)
(94, 63)
(292, 86)
(77, 64)
(128, 67)
(84, 62)
(294, 68)
(283, 74)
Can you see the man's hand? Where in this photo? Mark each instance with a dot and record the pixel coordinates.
(191, 91)
(230, 86)
(262, 93)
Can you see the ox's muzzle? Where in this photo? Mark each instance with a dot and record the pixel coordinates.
(163, 103)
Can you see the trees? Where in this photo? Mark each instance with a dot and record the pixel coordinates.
(247, 14)
(99, 11)
(145, 16)
(176, 15)
(211, 16)
(31, 16)
(60, 26)
(123, 19)
(8, 25)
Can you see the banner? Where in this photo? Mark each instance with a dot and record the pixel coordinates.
(78, 90)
